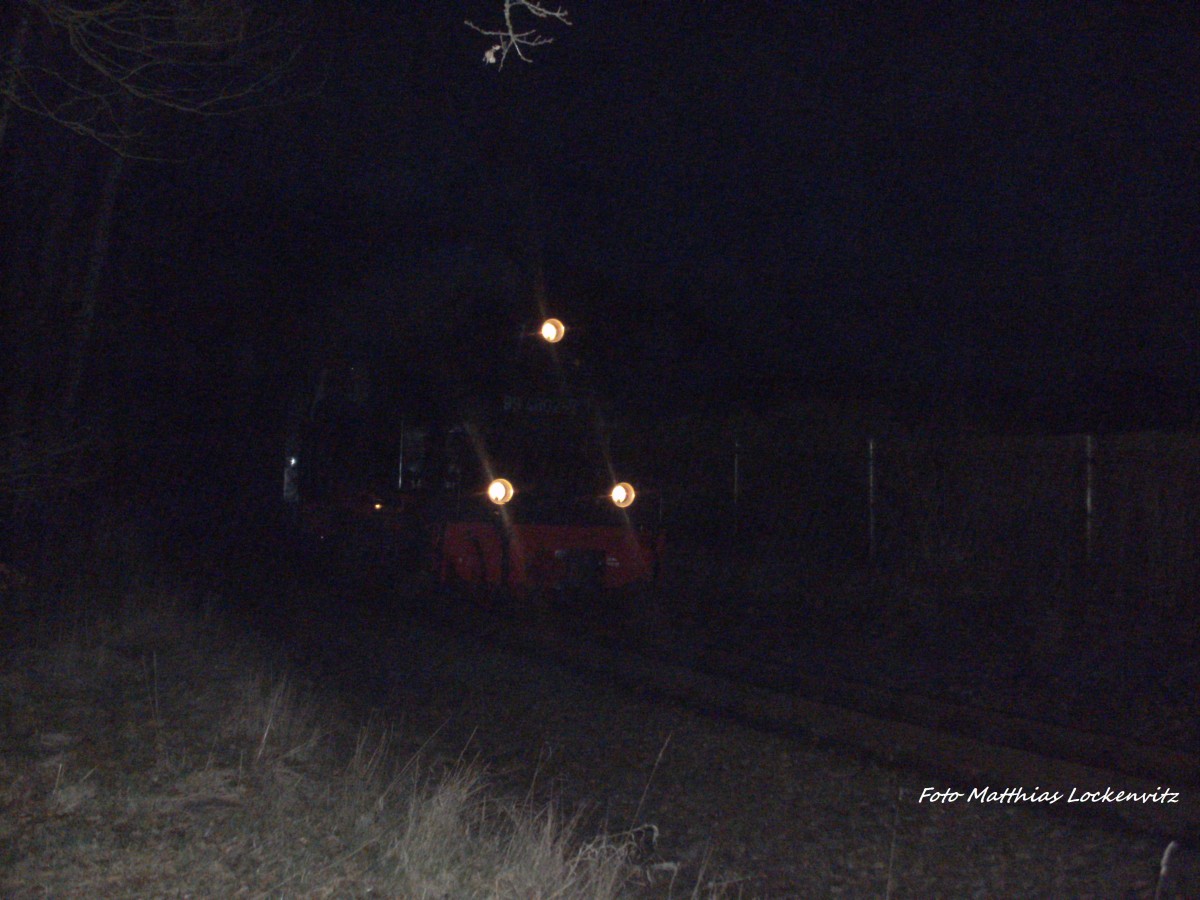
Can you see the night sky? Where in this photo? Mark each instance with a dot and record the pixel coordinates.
(728, 200)
(956, 192)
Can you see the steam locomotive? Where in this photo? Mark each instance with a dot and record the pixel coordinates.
(523, 484)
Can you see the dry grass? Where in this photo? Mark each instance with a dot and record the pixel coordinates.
(145, 752)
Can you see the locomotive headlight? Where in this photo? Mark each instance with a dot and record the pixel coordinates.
(552, 331)
(500, 491)
(623, 494)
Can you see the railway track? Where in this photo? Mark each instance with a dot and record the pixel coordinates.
(995, 726)
(958, 744)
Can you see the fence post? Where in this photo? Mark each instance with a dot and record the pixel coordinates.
(400, 463)
(737, 482)
(871, 500)
(1089, 496)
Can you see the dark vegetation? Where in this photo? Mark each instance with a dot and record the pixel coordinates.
(204, 723)
(166, 729)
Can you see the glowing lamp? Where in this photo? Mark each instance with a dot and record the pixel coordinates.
(623, 495)
(500, 491)
(552, 331)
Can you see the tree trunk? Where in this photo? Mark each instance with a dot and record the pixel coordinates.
(84, 314)
(15, 55)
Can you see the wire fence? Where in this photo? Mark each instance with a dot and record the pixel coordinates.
(1120, 511)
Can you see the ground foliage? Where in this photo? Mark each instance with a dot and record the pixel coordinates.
(149, 747)
(147, 751)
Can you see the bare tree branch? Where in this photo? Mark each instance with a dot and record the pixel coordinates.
(510, 40)
(102, 69)
(70, 60)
